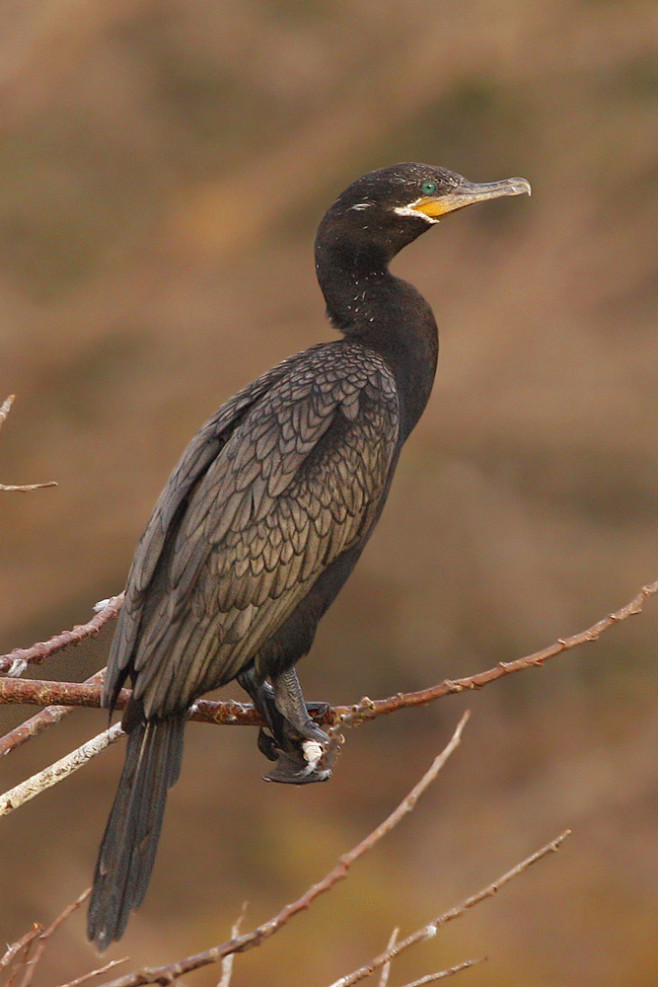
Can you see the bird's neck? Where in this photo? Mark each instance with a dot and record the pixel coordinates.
(369, 305)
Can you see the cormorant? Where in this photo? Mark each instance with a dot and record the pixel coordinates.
(266, 514)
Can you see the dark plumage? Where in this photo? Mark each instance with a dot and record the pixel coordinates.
(265, 516)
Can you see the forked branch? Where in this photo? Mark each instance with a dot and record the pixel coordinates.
(430, 930)
(171, 972)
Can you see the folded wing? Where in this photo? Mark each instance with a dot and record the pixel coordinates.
(287, 476)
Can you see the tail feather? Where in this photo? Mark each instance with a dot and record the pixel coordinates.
(127, 852)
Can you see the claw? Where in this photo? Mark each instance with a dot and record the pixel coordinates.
(267, 745)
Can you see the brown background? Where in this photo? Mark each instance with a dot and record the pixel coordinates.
(163, 167)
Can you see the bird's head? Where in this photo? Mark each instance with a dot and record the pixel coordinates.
(392, 206)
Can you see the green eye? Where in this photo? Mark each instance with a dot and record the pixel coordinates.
(428, 188)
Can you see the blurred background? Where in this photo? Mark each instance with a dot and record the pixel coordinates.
(163, 169)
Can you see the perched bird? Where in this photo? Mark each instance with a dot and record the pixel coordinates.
(266, 515)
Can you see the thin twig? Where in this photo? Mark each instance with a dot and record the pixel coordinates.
(42, 940)
(95, 973)
(26, 487)
(368, 709)
(58, 771)
(433, 977)
(37, 653)
(386, 969)
(430, 930)
(227, 961)
(166, 974)
(23, 943)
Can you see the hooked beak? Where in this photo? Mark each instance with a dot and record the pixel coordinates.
(466, 194)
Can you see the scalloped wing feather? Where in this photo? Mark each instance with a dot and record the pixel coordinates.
(297, 482)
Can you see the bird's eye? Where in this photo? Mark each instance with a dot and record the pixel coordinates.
(428, 188)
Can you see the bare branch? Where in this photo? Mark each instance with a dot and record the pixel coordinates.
(38, 653)
(491, 889)
(386, 969)
(43, 938)
(26, 487)
(41, 721)
(42, 935)
(227, 961)
(430, 930)
(5, 408)
(96, 973)
(433, 977)
(42, 692)
(24, 942)
(165, 975)
(368, 709)
(58, 771)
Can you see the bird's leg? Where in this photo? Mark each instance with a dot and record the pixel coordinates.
(293, 740)
(262, 696)
(289, 701)
(304, 742)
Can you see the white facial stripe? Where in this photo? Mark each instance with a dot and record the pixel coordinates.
(411, 210)
(361, 205)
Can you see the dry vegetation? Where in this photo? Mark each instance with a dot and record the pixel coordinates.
(163, 169)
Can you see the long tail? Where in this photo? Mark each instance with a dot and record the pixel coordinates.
(126, 855)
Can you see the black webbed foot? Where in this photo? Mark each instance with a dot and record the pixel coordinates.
(304, 747)
(297, 758)
(290, 737)
(301, 764)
